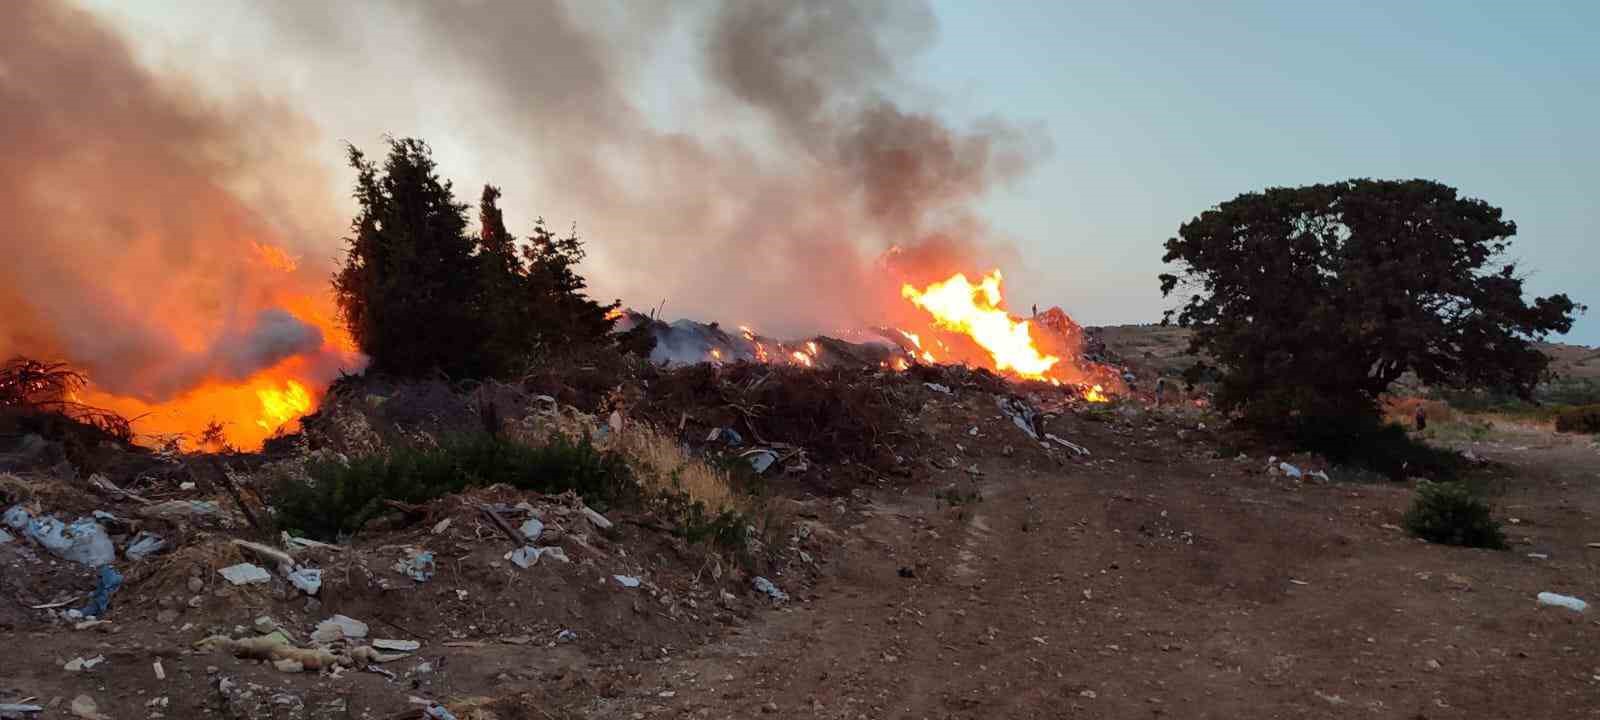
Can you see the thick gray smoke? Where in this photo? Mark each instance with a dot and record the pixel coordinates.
(128, 215)
(773, 208)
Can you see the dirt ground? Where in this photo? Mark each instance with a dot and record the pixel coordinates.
(1147, 579)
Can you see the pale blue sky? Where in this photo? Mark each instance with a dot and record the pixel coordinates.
(1155, 111)
(1158, 110)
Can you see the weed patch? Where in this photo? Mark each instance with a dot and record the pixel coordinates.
(1450, 514)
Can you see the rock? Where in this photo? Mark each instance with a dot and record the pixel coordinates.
(1432, 664)
(196, 584)
(86, 708)
(167, 617)
(769, 708)
(245, 574)
(289, 665)
(397, 645)
(555, 552)
(765, 587)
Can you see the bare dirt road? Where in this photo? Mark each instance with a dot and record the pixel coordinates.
(1157, 582)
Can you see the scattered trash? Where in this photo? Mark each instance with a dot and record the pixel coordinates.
(1292, 581)
(298, 543)
(105, 585)
(441, 526)
(418, 565)
(84, 541)
(161, 672)
(726, 436)
(245, 574)
(86, 708)
(556, 552)
(627, 581)
(938, 388)
(307, 580)
(6, 537)
(274, 649)
(1566, 601)
(760, 459)
(532, 529)
(1068, 444)
(566, 636)
(1290, 470)
(337, 628)
(397, 645)
(17, 710)
(1321, 475)
(524, 557)
(438, 712)
(144, 545)
(596, 519)
(1021, 413)
(82, 664)
(1539, 556)
(766, 587)
(182, 510)
(17, 517)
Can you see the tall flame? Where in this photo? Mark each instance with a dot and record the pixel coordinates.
(974, 310)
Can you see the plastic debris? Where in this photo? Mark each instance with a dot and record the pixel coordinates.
(726, 436)
(938, 388)
(566, 636)
(6, 537)
(397, 645)
(627, 581)
(1321, 475)
(82, 664)
(441, 526)
(766, 587)
(1290, 470)
(438, 712)
(182, 510)
(18, 710)
(1558, 600)
(337, 628)
(555, 552)
(307, 580)
(1021, 413)
(760, 459)
(85, 708)
(417, 565)
(105, 586)
(17, 517)
(1068, 444)
(532, 529)
(524, 557)
(245, 574)
(84, 541)
(599, 521)
(144, 545)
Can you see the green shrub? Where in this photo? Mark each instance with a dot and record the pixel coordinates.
(1450, 514)
(1374, 445)
(1583, 419)
(340, 498)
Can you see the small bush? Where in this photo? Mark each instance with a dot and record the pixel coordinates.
(1449, 514)
(340, 498)
(1583, 419)
(1369, 443)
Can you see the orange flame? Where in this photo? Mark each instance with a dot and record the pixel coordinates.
(1095, 395)
(801, 358)
(280, 407)
(974, 310)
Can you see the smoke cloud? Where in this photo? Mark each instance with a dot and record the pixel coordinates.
(131, 236)
(774, 207)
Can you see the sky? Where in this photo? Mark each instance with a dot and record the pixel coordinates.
(1138, 117)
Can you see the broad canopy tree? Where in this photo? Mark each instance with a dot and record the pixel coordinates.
(1314, 300)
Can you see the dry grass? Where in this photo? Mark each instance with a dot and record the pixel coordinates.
(661, 464)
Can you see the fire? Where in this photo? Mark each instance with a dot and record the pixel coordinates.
(974, 310)
(614, 313)
(1096, 395)
(801, 358)
(280, 407)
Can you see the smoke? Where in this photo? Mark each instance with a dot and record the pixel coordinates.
(773, 207)
(131, 216)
